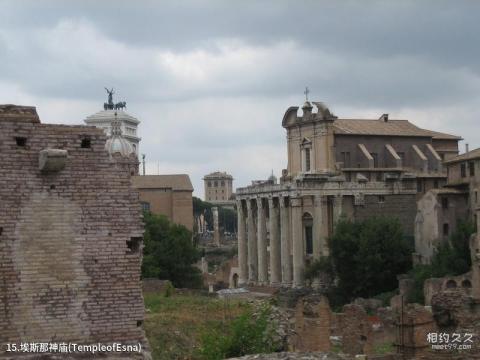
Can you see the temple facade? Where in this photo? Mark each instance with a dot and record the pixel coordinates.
(336, 168)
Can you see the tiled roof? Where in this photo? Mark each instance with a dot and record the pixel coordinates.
(388, 128)
(180, 182)
(474, 154)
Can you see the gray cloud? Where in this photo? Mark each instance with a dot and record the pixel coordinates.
(210, 80)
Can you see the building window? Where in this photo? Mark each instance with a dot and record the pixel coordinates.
(445, 203)
(309, 240)
(375, 159)
(209, 184)
(86, 143)
(346, 159)
(381, 199)
(401, 155)
(145, 206)
(21, 141)
(463, 171)
(446, 229)
(435, 184)
(133, 245)
(223, 183)
(215, 183)
(307, 159)
(419, 186)
(471, 168)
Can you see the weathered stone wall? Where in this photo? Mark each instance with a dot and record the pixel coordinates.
(402, 207)
(70, 241)
(312, 324)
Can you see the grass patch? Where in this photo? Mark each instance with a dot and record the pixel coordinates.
(174, 324)
(384, 348)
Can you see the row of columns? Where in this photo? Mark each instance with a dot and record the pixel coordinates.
(287, 241)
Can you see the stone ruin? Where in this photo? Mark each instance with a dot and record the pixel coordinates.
(70, 236)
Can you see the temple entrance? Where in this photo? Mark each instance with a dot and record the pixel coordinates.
(235, 281)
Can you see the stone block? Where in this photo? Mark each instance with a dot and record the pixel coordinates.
(52, 160)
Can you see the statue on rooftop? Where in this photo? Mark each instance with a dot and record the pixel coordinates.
(109, 105)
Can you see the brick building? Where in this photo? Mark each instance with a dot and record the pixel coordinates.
(336, 167)
(439, 210)
(169, 195)
(70, 235)
(219, 188)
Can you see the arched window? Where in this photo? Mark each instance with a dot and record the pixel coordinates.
(451, 284)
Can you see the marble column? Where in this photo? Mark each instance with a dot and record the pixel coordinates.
(298, 246)
(252, 245)
(337, 209)
(320, 226)
(262, 243)
(285, 243)
(216, 230)
(242, 244)
(275, 253)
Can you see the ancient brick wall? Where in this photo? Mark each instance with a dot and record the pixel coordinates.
(403, 207)
(312, 324)
(70, 240)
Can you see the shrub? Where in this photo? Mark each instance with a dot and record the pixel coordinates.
(247, 334)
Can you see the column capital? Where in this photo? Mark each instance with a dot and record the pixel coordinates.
(319, 200)
(296, 202)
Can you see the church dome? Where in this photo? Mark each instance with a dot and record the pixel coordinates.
(116, 143)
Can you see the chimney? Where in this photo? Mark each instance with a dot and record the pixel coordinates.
(384, 118)
(466, 148)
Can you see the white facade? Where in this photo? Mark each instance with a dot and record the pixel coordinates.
(128, 125)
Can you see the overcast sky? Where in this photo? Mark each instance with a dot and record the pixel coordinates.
(211, 80)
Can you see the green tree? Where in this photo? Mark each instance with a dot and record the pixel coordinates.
(367, 256)
(169, 253)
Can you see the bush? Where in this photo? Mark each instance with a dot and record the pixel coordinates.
(247, 334)
(169, 289)
(317, 267)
